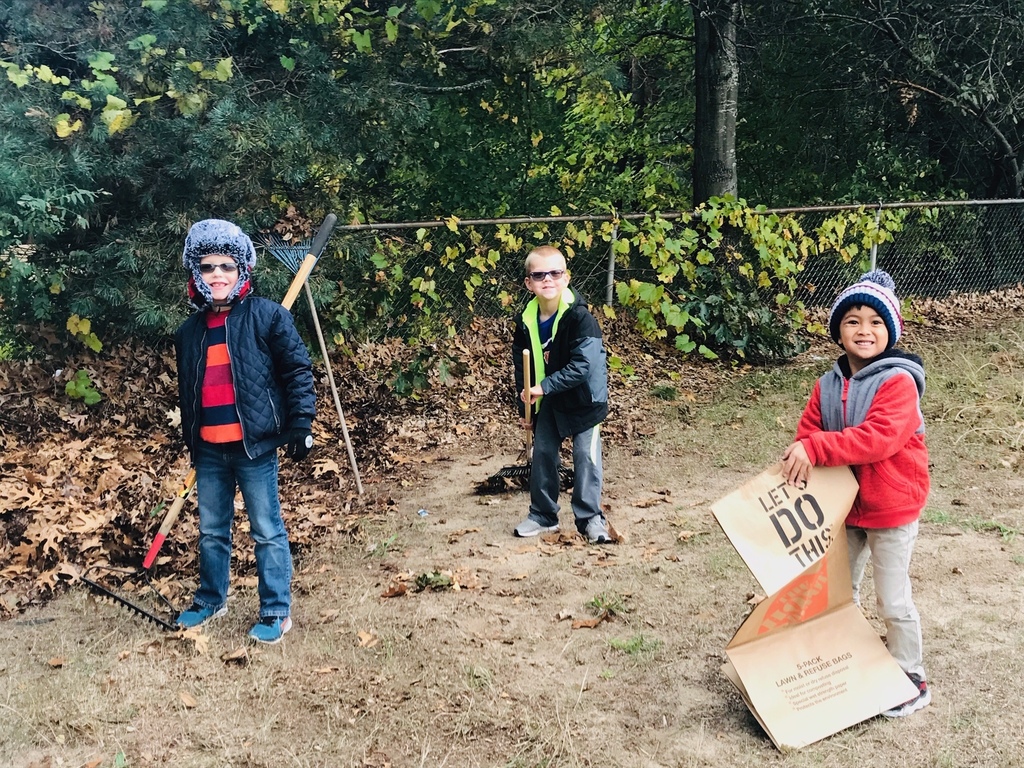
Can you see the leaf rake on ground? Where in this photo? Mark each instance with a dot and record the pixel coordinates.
(517, 476)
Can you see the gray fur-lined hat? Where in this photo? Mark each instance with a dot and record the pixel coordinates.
(212, 236)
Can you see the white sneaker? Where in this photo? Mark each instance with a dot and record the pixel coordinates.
(919, 702)
(597, 530)
(530, 527)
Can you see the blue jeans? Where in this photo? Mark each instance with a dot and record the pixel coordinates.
(219, 469)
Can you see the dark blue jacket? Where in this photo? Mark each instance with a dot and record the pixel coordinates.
(270, 367)
(575, 380)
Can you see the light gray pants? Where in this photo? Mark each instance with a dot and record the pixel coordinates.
(890, 550)
(544, 480)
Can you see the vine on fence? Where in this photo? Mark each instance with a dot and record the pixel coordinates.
(726, 277)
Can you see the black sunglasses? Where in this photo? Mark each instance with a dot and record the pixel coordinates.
(554, 274)
(228, 267)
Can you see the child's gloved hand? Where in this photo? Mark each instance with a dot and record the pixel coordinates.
(300, 440)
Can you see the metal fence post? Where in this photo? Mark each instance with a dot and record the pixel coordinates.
(874, 245)
(609, 288)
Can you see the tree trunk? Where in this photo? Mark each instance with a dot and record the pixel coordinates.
(717, 89)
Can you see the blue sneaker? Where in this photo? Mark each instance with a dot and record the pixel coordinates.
(198, 615)
(270, 629)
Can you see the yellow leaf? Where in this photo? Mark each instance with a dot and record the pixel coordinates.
(118, 120)
(64, 127)
(535, 139)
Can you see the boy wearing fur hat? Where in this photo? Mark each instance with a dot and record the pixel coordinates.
(245, 386)
(866, 413)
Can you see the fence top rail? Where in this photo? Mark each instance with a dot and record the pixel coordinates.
(667, 215)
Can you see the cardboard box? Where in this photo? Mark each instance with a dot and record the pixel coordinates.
(806, 661)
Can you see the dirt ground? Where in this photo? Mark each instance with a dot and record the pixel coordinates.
(492, 664)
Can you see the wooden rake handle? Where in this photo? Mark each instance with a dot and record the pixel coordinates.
(527, 376)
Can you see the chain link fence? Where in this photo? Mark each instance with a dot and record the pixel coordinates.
(418, 278)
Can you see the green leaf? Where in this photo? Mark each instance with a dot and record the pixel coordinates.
(288, 63)
(142, 42)
(101, 61)
(224, 69)
(362, 41)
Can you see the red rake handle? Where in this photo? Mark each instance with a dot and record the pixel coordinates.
(170, 518)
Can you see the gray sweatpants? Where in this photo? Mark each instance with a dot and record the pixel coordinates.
(544, 480)
(890, 550)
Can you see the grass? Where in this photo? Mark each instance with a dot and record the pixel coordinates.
(970, 523)
(609, 603)
(493, 676)
(381, 548)
(637, 646)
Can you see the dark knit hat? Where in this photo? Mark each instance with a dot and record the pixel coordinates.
(212, 236)
(877, 290)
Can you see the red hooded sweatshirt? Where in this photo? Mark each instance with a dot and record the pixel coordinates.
(872, 422)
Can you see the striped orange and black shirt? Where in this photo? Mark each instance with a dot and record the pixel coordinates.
(218, 419)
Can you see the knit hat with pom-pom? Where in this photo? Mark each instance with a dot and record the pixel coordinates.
(212, 236)
(877, 290)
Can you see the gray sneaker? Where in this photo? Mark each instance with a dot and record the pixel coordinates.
(597, 530)
(530, 527)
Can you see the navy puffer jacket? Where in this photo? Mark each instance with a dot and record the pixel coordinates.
(271, 370)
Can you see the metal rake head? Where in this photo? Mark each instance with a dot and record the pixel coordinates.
(288, 252)
(108, 596)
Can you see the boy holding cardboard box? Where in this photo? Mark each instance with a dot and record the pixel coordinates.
(866, 413)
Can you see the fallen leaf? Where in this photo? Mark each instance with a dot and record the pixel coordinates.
(395, 589)
(589, 623)
(188, 699)
(645, 503)
(238, 656)
(57, 662)
(367, 639)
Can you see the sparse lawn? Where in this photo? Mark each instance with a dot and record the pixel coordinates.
(477, 663)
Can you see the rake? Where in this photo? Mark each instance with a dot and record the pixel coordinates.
(517, 476)
(301, 272)
(290, 254)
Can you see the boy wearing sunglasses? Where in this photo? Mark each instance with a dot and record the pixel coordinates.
(569, 395)
(245, 386)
